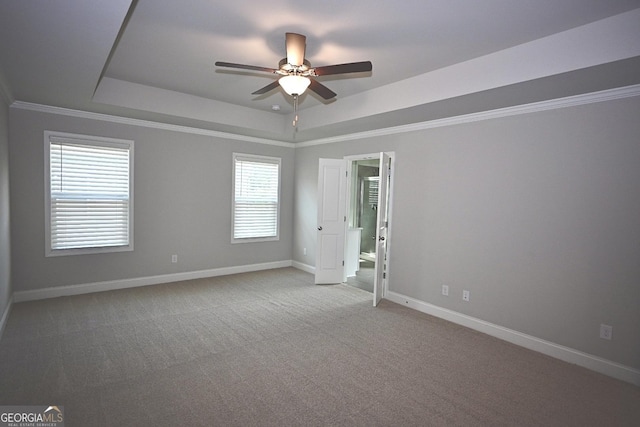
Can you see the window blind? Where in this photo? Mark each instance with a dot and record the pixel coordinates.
(90, 194)
(256, 197)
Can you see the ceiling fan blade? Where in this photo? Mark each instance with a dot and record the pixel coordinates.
(295, 45)
(321, 89)
(244, 67)
(267, 88)
(352, 67)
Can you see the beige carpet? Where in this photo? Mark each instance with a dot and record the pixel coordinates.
(272, 349)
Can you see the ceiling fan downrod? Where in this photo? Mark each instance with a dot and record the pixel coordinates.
(295, 110)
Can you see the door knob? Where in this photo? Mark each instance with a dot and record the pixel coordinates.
(319, 228)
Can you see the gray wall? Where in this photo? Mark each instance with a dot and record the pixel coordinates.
(5, 240)
(537, 215)
(182, 205)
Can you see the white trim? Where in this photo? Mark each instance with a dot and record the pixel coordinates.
(144, 123)
(304, 267)
(567, 354)
(5, 316)
(570, 101)
(87, 288)
(552, 104)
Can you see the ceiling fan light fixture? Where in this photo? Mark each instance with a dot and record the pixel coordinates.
(294, 84)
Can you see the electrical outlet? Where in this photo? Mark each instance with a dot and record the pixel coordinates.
(304, 251)
(465, 296)
(174, 258)
(445, 290)
(606, 331)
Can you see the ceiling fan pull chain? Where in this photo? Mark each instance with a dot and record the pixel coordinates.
(295, 110)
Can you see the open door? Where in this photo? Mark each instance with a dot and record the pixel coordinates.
(382, 222)
(331, 221)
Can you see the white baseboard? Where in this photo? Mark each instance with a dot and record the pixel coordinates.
(304, 267)
(5, 316)
(567, 354)
(58, 291)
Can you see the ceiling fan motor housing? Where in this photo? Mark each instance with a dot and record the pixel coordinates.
(285, 68)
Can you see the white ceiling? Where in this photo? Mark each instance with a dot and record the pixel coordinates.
(154, 59)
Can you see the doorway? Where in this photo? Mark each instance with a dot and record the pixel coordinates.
(368, 221)
(362, 215)
(344, 201)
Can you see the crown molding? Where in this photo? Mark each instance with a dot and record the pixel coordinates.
(553, 104)
(144, 123)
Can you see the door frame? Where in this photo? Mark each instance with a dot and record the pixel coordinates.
(349, 160)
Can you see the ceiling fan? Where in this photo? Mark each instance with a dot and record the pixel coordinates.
(297, 74)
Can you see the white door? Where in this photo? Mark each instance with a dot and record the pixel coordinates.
(331, 221)
(382, 223)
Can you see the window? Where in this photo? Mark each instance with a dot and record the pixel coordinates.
(89, 194)
(256, 198)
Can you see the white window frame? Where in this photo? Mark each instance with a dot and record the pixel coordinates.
(259, 159)
(52, 136)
